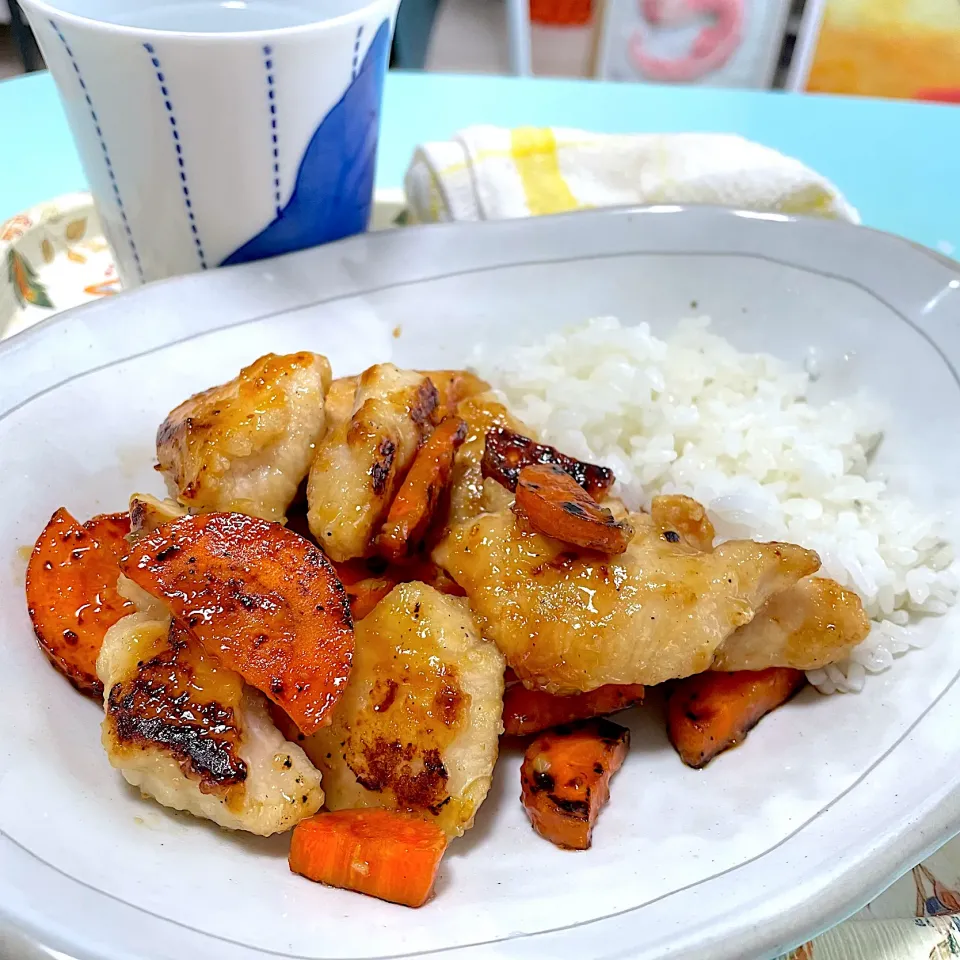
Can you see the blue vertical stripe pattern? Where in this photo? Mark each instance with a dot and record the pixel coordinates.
(356, 50)
(103, 146)
(272, 104)
(178, 148)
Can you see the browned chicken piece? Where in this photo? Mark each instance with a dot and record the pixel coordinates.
(482, 412)
(246, 446)
(808, 626)
(361, 464)
(148, 512)
(418, 726)
(569, 621)
(189, 733)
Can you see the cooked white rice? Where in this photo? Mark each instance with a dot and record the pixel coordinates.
(693, 415)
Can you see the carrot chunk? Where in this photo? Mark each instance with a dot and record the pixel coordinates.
(710, 712)
(382, 853)
(72, 592)
(565, 779)
(261, 598)
(530, 711)
(506, 453)
(367, 582)
(555, 505)
(418, 496)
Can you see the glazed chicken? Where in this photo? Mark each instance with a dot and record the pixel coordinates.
(569, 621)
(482, 412)
(189, 733)
(361, 464)
(247, 445)
(808, 626)
(417, 728)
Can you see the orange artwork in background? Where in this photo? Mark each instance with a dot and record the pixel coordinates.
(889, 48)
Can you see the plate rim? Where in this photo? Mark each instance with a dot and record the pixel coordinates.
(939, 822)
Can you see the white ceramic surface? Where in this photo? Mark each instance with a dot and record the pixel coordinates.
(203, 148)
(829, 800)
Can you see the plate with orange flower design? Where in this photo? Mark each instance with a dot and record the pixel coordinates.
(54, 256)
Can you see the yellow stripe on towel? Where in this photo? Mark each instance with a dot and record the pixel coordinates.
(534, 152)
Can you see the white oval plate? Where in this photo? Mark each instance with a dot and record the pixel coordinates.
(828, 802)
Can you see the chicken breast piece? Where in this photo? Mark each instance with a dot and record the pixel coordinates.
(569, 621)
(246, 445)
(482, 412)
(808, 626)
(418, 726)
(148, 512)
(193, 736)
(361, 464)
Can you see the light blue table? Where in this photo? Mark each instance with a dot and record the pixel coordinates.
(897, 162)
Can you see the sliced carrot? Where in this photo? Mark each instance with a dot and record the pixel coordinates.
(565, 779)
(72, 592)
(557, 506)
(506, 453)
(368, 581)
(382, 853)
(418, 496)
(260, 597)
(366, 594)
(530, 711)
(710, 712)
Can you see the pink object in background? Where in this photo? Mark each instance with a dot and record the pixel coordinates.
(712, 48)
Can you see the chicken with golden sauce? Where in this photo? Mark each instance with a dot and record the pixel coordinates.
(247, 445)
(417, 728)
(569, 621)
(361, 464)
(191, 734)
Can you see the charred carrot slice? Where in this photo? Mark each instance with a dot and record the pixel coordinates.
(506, 453)
(72, 592)
(530, 711)
(259, 597)
(382, 853)
(418, 496)
(565, 779)
(710, 712)
(557, 506)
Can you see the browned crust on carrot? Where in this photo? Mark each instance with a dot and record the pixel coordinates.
(419, 495)
(565, 779)
(711, 712)
(506, 453)
(555, 505)
(262, 599)
(72, 594)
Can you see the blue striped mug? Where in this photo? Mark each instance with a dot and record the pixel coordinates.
(214, 132)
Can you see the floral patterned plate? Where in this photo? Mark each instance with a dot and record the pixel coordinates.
(54, 256)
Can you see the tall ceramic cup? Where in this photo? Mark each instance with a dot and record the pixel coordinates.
(215, 132)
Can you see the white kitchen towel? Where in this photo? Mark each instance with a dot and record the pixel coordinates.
(493, 173)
